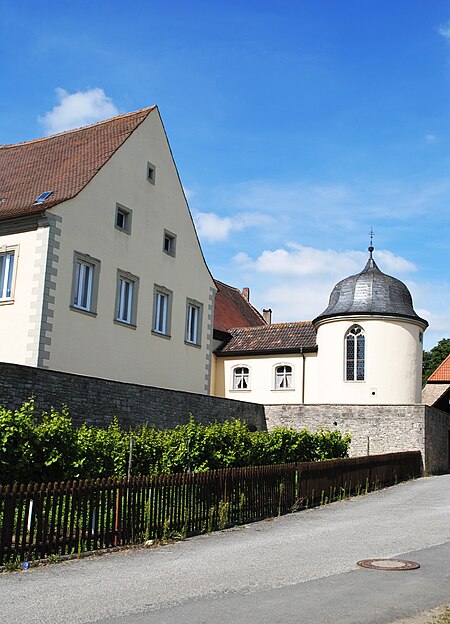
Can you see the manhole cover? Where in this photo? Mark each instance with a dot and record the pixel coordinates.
(388, 564)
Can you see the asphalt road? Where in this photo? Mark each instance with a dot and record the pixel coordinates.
(300, 568)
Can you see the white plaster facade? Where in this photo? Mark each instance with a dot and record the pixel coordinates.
(393, 362)
(20, 314)
(42, 327)
(323, 370)
(262, 387)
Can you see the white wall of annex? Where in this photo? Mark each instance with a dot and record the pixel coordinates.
(20, 318)
(262, 379)
(98, 346)
(393, 362)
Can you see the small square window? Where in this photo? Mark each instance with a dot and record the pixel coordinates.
(151, 173)
(123, 219)
(169, 243)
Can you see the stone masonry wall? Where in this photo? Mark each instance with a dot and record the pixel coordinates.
(437, 440)
(374, 428)
(97, 401)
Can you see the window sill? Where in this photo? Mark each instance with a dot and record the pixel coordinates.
(124, 324)
(193, 344)
(125, 231)
(6, 301)
(283, 390)
(161, 335)
(86, 312)
(243, 390)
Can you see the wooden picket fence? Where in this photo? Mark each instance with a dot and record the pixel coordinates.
(40, 521)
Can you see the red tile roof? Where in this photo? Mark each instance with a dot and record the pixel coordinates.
(231, 309)
(63, 163)
(276, 338)
(442, 373)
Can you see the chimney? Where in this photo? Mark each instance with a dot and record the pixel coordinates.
(246, 293)
(267, 314)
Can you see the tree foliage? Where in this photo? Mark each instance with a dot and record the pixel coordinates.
(434, 357)
(51, 449)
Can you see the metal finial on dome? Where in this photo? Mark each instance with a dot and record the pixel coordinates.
(371, 233)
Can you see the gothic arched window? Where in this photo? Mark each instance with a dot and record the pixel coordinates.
(355, 354)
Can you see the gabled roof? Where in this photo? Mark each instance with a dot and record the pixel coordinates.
(265, 339)
(442, 373)
(232, 309)
(433, 392)
(63, 163)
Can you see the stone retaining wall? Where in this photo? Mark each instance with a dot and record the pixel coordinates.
(375, 428)
(97, 401)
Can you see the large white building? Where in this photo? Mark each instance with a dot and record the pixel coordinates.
(102, 274)
(101, 271)
(365, 348)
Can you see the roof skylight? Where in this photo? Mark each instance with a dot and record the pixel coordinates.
(42, 197)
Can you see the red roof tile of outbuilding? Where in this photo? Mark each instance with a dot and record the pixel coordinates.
(442, 373)
(232, 309)
(63, 163)
(276, 338)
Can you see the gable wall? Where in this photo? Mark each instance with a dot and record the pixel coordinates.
(97, 346)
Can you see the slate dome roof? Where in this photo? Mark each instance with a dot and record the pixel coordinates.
(370, 292)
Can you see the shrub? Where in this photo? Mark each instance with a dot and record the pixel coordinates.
(52, 449)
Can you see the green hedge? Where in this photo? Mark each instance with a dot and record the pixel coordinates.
(52, 449)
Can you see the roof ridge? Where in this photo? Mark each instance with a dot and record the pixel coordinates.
(268, 325)
(229, 286)
(80, 129)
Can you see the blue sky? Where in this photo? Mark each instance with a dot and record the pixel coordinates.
(296, 127)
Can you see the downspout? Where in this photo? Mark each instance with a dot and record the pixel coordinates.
(303, 375)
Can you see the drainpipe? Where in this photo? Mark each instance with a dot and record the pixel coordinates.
(303, 375)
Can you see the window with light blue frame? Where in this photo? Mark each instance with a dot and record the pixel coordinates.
(85, 281)
(126, 298)
(162, 311)
(7, 264)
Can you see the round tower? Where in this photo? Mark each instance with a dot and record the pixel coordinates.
(369, 342)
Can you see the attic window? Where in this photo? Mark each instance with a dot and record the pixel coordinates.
(123, 219)
(42, 197)
(169, 243)
(151, 173)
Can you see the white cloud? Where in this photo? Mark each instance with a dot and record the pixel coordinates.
(430, 138)
(213, 228)
(444, 31)
(188, 193)
(331, 207)
(296, 281)
(77, 109)
(298, 260)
